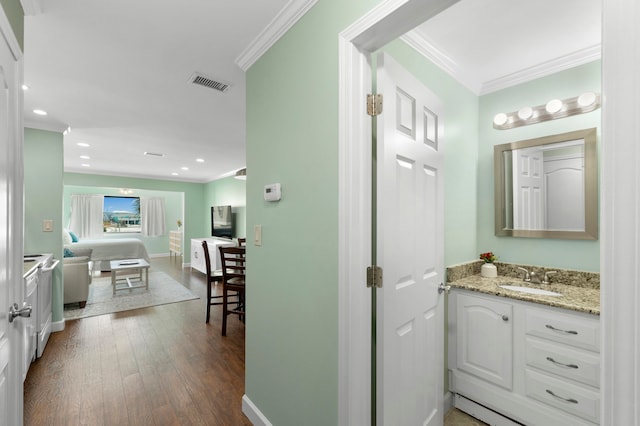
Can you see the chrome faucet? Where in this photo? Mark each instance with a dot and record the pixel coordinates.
(545, 280)
(527, 276)
(534, 278)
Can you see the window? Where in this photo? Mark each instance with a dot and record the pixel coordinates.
(121, 214)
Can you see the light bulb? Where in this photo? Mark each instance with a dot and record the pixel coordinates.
(553, 106)
(586, 99)
(500, 119)
(525, 113)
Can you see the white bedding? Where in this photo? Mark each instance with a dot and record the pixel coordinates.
(113, 248)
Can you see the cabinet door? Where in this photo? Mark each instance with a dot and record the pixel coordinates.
(485, 339)
(197, 256)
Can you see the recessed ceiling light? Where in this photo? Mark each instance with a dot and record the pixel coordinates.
(184, 168)
(174, 174)
(25, 87)
(83, 144)
(200, 160)
(39, 112)
(85, 157)
(86, 165)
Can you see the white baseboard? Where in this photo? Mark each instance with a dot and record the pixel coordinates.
(447, 402)
(253, 413)
(57, 326)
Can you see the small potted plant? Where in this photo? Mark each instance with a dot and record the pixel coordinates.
(488, 270)
(179, 222)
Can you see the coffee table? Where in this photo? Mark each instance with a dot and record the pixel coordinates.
(129, 266)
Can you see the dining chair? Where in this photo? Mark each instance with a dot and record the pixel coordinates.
(213, 278)
(233, 281)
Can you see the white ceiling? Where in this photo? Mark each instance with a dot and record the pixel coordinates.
(117, 72)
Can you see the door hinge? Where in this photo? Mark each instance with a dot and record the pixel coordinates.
(374, 105)
(374, 277)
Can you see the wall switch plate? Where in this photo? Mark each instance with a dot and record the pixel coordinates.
(257, 235)
(47, 225)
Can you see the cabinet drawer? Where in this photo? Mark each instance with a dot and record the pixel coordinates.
(574, 364)
(579, 331)
(568, 397)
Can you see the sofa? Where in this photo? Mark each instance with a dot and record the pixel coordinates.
(77, 269)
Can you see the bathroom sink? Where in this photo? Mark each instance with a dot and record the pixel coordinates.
(530, 290)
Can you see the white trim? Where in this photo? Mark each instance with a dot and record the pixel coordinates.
(423, 46)
(284, 20)
(253, 413)
(49, 127)
(620, 214)
(57, 326)
(31, 7)
(420, 44)
(388, 20)
(544, 69)
(10, 37)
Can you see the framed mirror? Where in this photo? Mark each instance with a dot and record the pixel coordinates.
(547, 187)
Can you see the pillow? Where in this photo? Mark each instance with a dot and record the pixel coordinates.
(74, 237)
(68, 253)
(66, 237)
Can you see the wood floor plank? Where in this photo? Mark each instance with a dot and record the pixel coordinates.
(154, 366)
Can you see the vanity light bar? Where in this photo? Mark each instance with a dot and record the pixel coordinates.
(552, 110)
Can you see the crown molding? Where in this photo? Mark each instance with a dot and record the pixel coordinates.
(544, 69)
(284, 20)
(31, 7)
(50, 127)
(418, 42)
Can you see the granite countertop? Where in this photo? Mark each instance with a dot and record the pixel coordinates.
(573, 297)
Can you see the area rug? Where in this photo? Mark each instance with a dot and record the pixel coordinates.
(162, 290)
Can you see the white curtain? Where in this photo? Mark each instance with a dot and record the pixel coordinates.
(86, 215)
(152, 216)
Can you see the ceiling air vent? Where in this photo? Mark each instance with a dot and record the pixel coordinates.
(203, 80)
(154, 154)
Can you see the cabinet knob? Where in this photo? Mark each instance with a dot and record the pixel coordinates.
(505, 318)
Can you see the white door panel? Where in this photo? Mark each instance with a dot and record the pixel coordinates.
(11, 219)
(410, 232)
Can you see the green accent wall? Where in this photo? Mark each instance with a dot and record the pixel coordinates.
(43, 168)
(570, 254)
(195, 211)
(15, 14)
(228, 191)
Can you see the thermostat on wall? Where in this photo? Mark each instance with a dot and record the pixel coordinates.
(272, 192)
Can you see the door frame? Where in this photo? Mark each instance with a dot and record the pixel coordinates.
(619, 204)
(382, 24)
(15, 184)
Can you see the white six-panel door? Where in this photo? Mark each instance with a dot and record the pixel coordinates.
(410, 246)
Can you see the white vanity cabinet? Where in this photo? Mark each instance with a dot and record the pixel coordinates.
(532, 363)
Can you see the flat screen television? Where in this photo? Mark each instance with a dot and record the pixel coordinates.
(221, 222)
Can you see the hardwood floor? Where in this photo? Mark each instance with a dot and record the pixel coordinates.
(154, 366)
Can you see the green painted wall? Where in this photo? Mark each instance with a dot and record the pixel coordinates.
(15, 14)
(581, 255)
(194, 208)
(174, 202)
(228, 191)
(43, 156)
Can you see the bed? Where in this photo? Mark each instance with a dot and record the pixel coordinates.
(107, 249)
